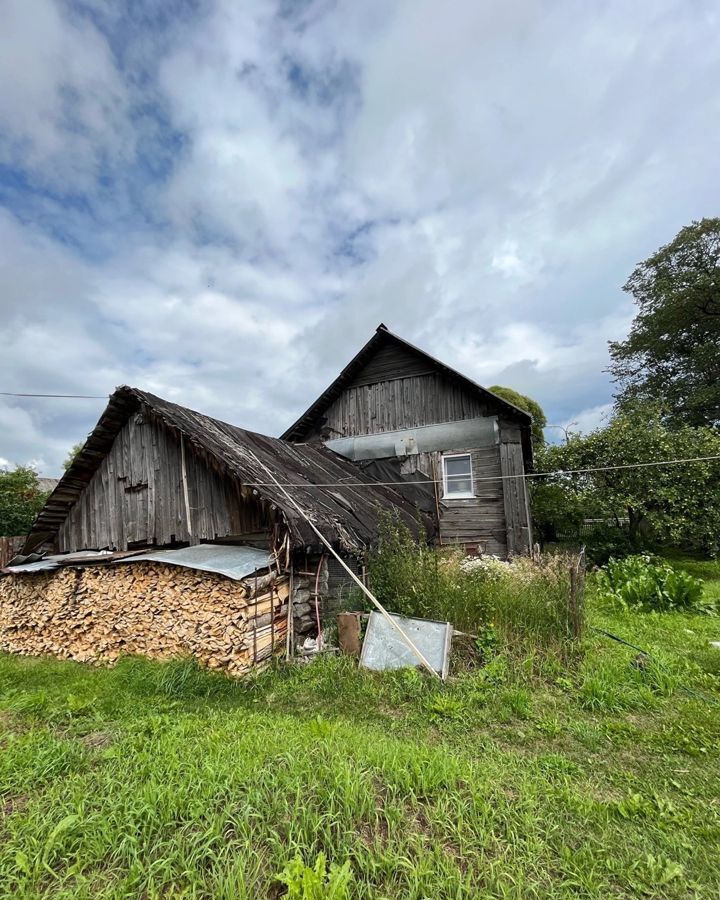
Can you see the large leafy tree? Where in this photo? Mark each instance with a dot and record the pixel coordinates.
(673, 504)
(672, 354)
(20, 500)
(529, 405)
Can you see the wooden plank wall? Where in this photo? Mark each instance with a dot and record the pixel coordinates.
(519, 535)
(136, 496)
(399, 403)
(389, 362)
(10, 547)
(480, 520)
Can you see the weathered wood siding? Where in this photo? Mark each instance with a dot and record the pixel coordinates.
(136, 497)
(479, 520)
(399, 403)
(390, 362)
(9, 547)
(397, 390)
(517, 514)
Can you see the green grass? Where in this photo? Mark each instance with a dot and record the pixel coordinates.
(523, 779)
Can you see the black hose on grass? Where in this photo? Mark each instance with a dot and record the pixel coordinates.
(693, 692)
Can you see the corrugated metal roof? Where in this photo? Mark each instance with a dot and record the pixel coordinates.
(234, 562)
(56, 560)
(224, 559)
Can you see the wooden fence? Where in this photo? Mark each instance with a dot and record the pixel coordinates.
(9, 547)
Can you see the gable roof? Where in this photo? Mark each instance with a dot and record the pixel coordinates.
(381, 339)
(347, 516)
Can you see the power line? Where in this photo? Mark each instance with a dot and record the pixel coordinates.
(559, 472)
(58, 396)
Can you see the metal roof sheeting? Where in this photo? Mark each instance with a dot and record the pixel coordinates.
(223, 559)
(55, 561)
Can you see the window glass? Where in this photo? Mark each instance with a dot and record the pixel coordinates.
(457, 472)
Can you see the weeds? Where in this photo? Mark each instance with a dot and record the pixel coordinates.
(640, 581)
(520, 606)
(316, 882)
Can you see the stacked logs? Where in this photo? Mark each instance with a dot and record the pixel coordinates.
(99, 613)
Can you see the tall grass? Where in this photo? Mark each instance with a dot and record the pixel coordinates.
(527, 602)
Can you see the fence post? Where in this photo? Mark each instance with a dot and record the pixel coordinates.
(577, 590)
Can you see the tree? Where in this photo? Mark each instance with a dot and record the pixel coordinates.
(672, 353)
(72, 455)
(672, 504)
(529, 405)
(20, 500)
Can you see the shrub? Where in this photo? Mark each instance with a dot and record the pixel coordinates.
(609, 541)
(412, 579)
(642, 582)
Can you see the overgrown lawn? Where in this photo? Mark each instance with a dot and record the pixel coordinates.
(530, 777)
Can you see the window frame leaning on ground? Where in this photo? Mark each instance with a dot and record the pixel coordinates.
(448, 478)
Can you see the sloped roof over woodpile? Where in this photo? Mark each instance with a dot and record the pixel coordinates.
(345, 509)
(382, 337)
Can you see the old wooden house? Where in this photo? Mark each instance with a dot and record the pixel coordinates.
(393, 403)
(397, 430)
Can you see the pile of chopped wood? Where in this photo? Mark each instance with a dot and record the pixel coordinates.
(99, 613)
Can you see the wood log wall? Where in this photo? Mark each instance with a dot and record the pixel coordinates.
(99, 613)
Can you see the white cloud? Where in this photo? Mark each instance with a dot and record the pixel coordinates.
(588, 420)
(250, 194)
(64, 105)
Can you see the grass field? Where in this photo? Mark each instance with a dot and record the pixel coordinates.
(522, 779)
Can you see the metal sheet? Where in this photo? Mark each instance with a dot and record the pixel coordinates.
(56, 560)
(468, 433)
(383, 648)
(224, 559)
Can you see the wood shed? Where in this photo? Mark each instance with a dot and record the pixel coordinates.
(153, 476)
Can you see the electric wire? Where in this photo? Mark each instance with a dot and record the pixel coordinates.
(58, 396)
(556, 473)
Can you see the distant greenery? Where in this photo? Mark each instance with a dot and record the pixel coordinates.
(671, 356)
(674, 505)
(20, 500)
(72, 455)
(529, 405)
(519, 779)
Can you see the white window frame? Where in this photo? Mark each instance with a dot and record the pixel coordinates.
(455, 495)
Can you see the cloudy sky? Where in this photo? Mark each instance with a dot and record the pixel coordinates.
(219, 201)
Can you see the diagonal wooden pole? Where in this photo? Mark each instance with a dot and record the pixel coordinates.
(373, 599)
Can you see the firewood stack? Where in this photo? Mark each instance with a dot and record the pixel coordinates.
(99, 613)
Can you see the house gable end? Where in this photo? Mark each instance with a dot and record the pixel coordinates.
(392, 373)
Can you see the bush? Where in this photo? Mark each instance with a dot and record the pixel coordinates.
(609, 541)
(413, 579)
(642, 582)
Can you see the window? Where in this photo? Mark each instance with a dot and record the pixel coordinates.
(457, 476)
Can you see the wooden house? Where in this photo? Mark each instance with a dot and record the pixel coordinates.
(397, 430)
(394, 403)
